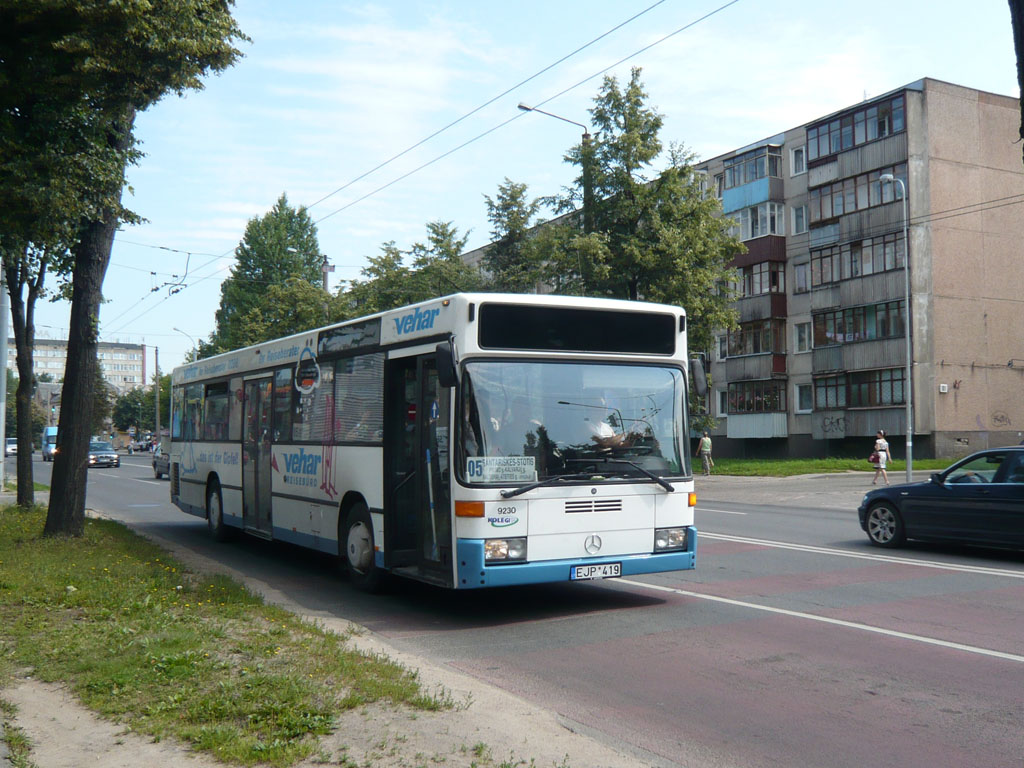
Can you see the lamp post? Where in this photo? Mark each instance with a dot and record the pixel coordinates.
(585, 162)
(187, 336)
(888, 178)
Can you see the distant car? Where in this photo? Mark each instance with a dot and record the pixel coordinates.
(11, 446)
(161, 463)
(978, 500)
(102, 454)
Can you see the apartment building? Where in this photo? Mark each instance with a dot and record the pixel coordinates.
(819, 360)
(123, 365)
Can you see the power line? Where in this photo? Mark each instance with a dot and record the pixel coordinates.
(487, 104)
(519, 115)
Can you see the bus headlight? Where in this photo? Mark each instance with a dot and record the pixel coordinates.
(667, 539)
(504, 549)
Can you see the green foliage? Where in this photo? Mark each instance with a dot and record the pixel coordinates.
(278, 260)
(656, 235)
(136, 407)
(436, 269)
(512, 260)
(173, 653)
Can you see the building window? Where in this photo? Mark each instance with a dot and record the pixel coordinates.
(723, 348)
(804, 398)
(797, 161)
(719, 185)
(842, 326)
(799, 219)
(757, 338)
(768, 396)
(801, 278)
(862, 389)
(751, 166)
(723, 403)
(803, 337)
(857, 259)
(866, 124)
(765, 277)
(759, 220)
(856, 193)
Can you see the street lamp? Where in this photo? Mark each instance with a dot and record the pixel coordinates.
(187, 336)
(888, 178)
(585, 161)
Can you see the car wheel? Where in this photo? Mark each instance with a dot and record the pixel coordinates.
(358, 555)
(885, 526)
(215, 513)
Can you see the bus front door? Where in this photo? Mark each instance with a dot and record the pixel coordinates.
(256, 454)
(417, 513)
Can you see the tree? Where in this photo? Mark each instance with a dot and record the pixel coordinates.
(135, 408)
(279, 246)
(437, 269)
(289, 307)
(103, 396)
(657, 236)
(129, 410)
(1017, 24)
(512, 262)
(90, 66)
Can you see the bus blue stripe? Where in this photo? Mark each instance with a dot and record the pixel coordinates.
(474, 574)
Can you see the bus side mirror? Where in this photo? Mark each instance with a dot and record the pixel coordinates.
(698, 378)
(445, 364)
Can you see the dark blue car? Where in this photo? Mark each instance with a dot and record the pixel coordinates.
(978, 500)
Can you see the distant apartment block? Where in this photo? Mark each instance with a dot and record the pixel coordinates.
(818, 363)
(123, 365)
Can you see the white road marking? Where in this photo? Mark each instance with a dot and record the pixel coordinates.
(835, 622)
(719, 511)
(977, 569)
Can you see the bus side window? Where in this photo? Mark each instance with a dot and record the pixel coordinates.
(283, 405)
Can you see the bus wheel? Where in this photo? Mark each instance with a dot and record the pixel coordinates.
(358, 552)
(215, 513)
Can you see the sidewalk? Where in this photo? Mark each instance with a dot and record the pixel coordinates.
(835, 490)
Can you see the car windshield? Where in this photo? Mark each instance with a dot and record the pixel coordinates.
(99, 446)
(526, 422)
(12, 440)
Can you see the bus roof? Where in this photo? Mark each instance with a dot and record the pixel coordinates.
(424, 319)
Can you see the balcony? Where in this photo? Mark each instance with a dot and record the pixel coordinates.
(767, 306)
(755, 425)
(860, 356)
(748, 367)
(764, 248)
(835, 424)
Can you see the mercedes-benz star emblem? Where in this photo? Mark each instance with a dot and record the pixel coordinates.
(592, 544)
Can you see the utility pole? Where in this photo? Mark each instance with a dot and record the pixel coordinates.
(325, 269)
(156, 394)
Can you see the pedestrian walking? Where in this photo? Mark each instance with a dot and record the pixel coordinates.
(704, 451)
(880, 457)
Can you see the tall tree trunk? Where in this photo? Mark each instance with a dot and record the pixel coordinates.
(66, 513)
(1017, 23)
(19, 274)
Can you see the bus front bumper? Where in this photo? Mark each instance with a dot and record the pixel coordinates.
(473, 573)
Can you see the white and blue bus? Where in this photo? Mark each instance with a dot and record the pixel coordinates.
(471, 441)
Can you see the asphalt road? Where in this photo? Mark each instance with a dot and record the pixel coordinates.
(794, 643)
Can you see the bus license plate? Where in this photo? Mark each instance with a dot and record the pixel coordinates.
(602, 571)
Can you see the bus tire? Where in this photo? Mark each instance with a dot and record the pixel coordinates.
(357, 550)
(215, 513)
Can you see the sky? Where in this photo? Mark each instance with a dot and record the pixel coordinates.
(329, 91)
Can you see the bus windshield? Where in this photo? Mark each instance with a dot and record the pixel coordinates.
(522, 422)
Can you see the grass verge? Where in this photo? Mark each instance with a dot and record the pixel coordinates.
(790, 467)
(172, 653)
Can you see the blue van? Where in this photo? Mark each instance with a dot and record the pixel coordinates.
(49, 443)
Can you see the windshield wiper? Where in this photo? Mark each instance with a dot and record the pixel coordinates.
(660, 481)
(549, 481)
